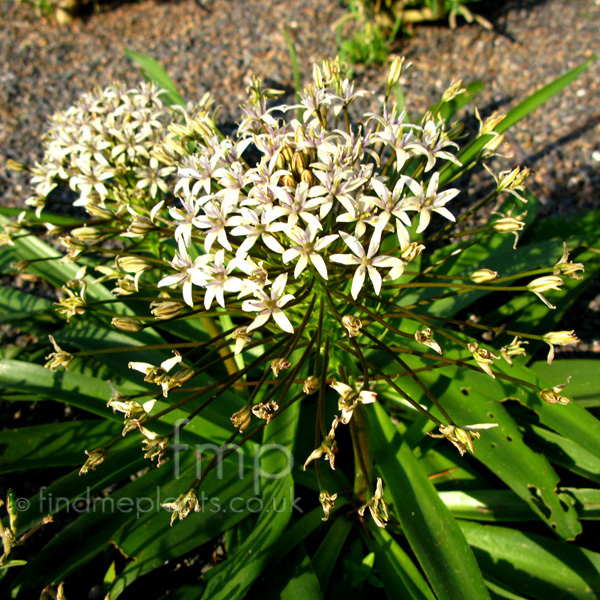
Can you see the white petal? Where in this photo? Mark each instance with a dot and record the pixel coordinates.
(282, 321)
(353, 244)
(142, 367)
(272, 243)
(445, 213)
(344, 259)
(432, 186)
(341, 388)
(279, 285)
(357, 281)
(424, 219)
(319, 263)
(375, 279)
(290, 254)
(302, 264)
(367, 397)
(187, 293)
(259, 321)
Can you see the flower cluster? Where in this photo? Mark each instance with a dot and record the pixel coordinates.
(106, 138)
(314, 207)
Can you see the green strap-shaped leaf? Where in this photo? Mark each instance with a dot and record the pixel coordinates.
(505, 505)
(51, 500)
(91, 533)
(533, 565)
(78, 390)
(401, 577)
(564, 452)
(431, 530)
(571, 420)
(469, 153)
(542, 96)
(234, 577)
(18, 305)
(329, 550)
(294, 580)
(152, 70)
(150, 541)
(53, 445)
(90, 394)
(502, 449)
(31, 247)
(584, 388)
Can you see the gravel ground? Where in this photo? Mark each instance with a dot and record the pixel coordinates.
(214, 45)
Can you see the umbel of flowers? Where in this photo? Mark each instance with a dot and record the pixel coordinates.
(296, 242)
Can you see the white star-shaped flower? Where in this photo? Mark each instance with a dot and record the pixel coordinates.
(307, 248)
(367, 263)
(268, 307)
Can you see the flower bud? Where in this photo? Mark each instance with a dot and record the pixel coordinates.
(299, 134)
(327, 501)
(318, 76)
(202, 129)
(265, 410)
(99, 212)
(288, 181)
(483, 275)
(307, 175)
(172, 146)
(180, 130)
(286, 153)
(241, 418)
(553, 396)
(298, 163)
(13, 165)
(310, 384)
(394, 74)
(167, 309)
(87, 234)
(508, 225)
(133, 264)
(425, 336)
(352, 325)
(125, 286)
(128, 324)
(280, 364)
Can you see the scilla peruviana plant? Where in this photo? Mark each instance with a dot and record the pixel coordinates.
(308, 262)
